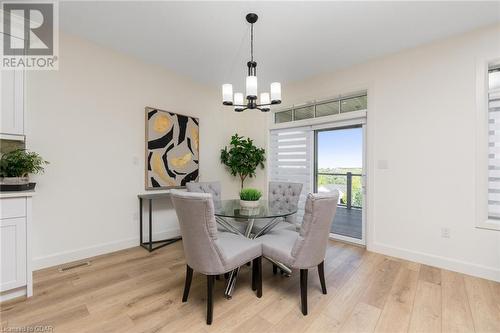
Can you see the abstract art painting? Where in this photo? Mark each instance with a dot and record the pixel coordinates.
(172, 149)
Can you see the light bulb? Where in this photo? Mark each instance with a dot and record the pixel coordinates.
(276, 92)
(227, 94)
(252, 87)
(238, 102)
(264, 99)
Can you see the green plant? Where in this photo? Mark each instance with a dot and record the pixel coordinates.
(20, 163)
(250, 194)
(242, 158)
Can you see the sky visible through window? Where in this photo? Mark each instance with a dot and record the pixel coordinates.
(340, 148)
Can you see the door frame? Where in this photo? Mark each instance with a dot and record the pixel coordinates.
(329, 127)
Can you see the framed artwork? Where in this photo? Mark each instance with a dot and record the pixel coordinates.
(172, 149)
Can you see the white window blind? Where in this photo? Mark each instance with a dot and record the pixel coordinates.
(494, 145)
(291, 155)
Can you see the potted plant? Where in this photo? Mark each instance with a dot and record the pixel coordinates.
(242, 158)
(15, 167)
(249, 198)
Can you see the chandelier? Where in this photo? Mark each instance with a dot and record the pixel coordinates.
(266, 100)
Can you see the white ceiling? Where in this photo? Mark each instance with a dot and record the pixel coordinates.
(209, 41)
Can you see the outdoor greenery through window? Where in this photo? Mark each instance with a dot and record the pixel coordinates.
(339, 167)
(336, 178)
(321, 109)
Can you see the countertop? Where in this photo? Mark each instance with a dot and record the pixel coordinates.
(16, 194)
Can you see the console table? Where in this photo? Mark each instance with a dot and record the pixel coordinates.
(151, 245)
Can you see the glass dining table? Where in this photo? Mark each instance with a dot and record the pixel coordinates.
(240, 220)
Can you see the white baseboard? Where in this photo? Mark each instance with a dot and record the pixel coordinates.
(95, 250)
(485, 272)
(490, 273)
(11, 294)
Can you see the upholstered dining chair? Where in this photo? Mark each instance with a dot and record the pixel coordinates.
(215, 189)
(304, 249)
(208, 251)
(285, 195)
(282, 195)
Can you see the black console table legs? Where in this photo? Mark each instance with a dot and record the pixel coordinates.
(151, 245)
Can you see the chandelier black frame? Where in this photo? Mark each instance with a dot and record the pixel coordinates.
(266, 100)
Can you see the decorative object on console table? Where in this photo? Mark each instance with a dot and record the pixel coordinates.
(249, 198)
(15, 167)
(242, 158)
(172, 149)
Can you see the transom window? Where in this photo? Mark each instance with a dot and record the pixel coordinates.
(322, 108)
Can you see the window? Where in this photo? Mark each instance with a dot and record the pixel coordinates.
(304, 113)
(290, 159)
(322, 109)
(494, 144)
(283, 117)
(327, 109)
(353, 104)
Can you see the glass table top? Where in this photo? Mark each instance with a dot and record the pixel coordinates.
(232, 208)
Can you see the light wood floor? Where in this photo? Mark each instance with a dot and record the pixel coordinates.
(135, 291)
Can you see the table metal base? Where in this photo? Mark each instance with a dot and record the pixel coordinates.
(233, 275)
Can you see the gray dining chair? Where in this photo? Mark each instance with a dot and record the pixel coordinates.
(215, 189)
(304, 249)
(285, 195)
(282, 195)
(208, 251)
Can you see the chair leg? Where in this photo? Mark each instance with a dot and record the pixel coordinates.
(187, 285)
(321, 273)
(303, 290)
(210, 298)
(254, 276)
(257, 276)
(275, 269)
(226, 276)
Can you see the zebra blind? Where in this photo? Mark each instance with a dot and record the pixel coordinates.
(494, 145)
(291, 155)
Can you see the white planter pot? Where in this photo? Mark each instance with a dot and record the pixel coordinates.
(14, 180)
(249, 204)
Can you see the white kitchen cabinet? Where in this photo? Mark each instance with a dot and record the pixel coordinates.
(12, 117)
(15, 245)
(12, 104)
(13, 253)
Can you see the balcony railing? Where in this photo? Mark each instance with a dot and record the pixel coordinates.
(358, 190)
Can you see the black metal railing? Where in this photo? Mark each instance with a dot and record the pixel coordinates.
(348, 202)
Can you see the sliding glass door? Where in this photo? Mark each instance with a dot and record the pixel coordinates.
(339, 165)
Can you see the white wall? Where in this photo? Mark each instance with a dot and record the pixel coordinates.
(421, 119)
(87, 119)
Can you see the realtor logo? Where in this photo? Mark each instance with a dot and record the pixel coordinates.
(29, 35)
